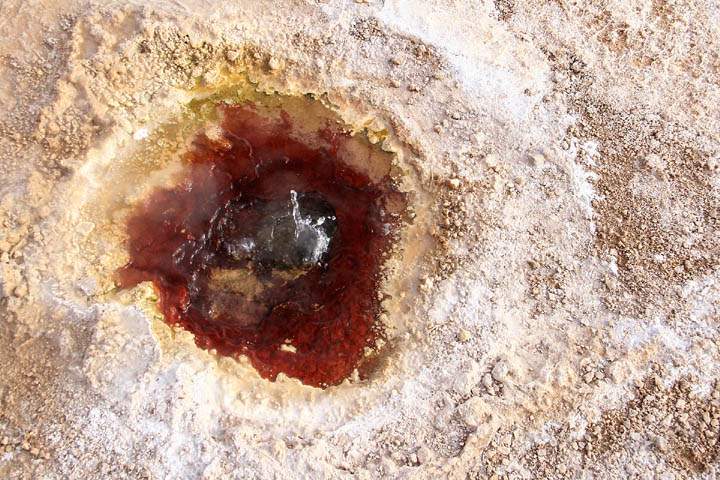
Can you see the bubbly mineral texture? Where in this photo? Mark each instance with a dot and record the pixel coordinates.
(269, 247)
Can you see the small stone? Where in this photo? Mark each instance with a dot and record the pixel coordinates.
(661, 444)
(467, 378)
(288, 348)
(395, 60)
(472, 412)
(279, 448)
(35, 451)
(589, 377)
(538, 160)
(654, 162)
(424, 455)
(274, 63)
(487, 381)
(398, 457)
(209, 78)
(427, 284)
(20, 291)
(706, 417)
(713, 164)
(615, 372)
(463, 335)
(668, 420)
(500, 371)
(454, 183)
(491, 160)
(232, 55)
(4, 441)
(611, 283)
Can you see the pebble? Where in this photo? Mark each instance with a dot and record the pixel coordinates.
(654, 162)
(279, 448)
(491, 160)
(472, 411)
(661, 444)
(500, 371)
(463, 335)
(615, 372)
(424, 455)
(288, 348)
(427, 284)
(713, 164)
(454, 183)
(668, 420)
(274, 63)
(21, 290)
(611, 283)
(538, 160)
(232, 55)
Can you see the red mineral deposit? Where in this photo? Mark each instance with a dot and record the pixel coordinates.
(270, 246)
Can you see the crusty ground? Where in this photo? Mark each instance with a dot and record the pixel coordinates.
(551, 308)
